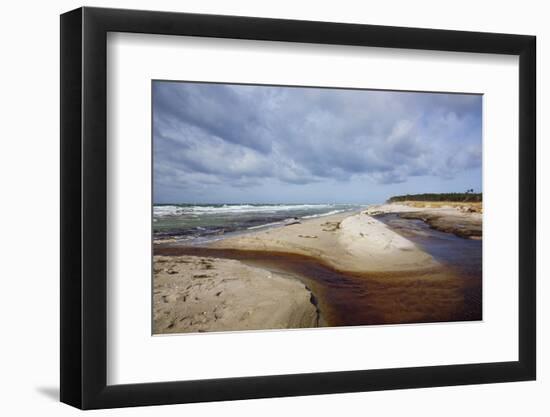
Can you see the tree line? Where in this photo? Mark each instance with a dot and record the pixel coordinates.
(468, 196)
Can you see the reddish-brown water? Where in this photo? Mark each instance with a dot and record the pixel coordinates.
(349, 299)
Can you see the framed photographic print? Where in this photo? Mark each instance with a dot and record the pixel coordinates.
(259, 207)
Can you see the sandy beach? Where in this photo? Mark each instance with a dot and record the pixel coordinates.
(355, 243)
(342, 269)
(461, 219)
(199, 294)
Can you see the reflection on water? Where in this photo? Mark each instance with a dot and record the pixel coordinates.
(464, 256)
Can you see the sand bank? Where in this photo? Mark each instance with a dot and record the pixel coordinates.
(355, 243)
(462, 219)
(199, 294)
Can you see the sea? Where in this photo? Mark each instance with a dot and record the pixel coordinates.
(196, 223)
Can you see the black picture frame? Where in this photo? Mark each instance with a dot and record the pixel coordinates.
(84, 207)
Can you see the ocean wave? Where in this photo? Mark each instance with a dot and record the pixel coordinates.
(159, 211)
(175, 210)
(330, 213)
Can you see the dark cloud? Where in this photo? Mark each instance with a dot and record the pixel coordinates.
(216, 135)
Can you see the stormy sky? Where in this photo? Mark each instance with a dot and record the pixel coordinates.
(222, 143)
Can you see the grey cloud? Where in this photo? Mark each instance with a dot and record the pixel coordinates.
(239, 135)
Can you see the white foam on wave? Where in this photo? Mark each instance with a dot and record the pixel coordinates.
(330, 213)
(172, 210)
(159, 211)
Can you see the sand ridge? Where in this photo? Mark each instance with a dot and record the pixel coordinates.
(353, 242)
